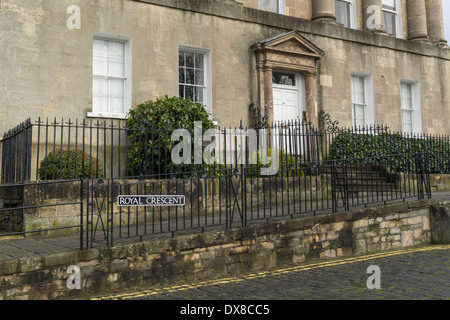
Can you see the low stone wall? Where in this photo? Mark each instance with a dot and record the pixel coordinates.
(219, 253)
(45, 205)
(440, 182)
(440, 223)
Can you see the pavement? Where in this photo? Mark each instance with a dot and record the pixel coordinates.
(421, 273)
(16, 248)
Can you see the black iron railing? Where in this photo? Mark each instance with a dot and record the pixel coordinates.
(61, 150)
(96, 162)
(16, 153)
(226, 198)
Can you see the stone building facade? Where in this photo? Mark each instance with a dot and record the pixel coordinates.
(363, 61)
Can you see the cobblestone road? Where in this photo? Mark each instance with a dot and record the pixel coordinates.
(418, 273)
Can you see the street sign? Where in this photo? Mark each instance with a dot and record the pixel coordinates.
(155, 201)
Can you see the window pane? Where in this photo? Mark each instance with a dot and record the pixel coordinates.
(100, 66)
(97, 92)
(181, 91)
(406, 96)
(407, 118)
(390, 22)
(358, 92)
(342, 12)
(189, 92)
(116, 50)
(116, 68)
(100, 58)
(190, 76)
(100, 94)
(199, 95)
(98, 48)
(181, 75)
(269, 5)
(199, 61)
(190, 61)
(283, 78)
(199, 77)
(181, 59)
(389, 4)
(115, 94)
(359, 116)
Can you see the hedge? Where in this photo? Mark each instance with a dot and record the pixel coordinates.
(59, 166)
(378, 148)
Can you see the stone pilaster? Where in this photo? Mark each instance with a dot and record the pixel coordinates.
(312, 112)
(268, 93)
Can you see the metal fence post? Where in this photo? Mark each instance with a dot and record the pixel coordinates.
(81, 209)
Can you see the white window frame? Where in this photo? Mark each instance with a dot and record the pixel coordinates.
(207, 94)
(398, 18)
(352, 5)
(281, 6)
(369, 113)
(416, 106)
(127, 83)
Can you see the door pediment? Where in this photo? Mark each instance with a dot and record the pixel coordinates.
(289, 44)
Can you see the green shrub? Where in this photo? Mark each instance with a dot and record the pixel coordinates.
(150, 126)
(59, 166)
(378, 148)
(288, 165)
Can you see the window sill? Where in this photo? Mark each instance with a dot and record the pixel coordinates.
(106, 115)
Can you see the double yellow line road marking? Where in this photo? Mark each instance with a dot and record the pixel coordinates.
(277, 272)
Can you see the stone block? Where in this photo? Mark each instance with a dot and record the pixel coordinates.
(9, 267)
(414, 220)
(119, 265)
(328, 254)
(373, 247)
(332, 235)
(360, 223)
(359, 246)
(60, 259)
(32, 263)
(407, 238)
(298, 258)
(338, 226)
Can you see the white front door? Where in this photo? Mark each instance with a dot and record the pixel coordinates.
(288, 104)
(288, 96)
(285, 103)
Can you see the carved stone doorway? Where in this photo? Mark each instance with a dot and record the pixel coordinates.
(293, 53)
